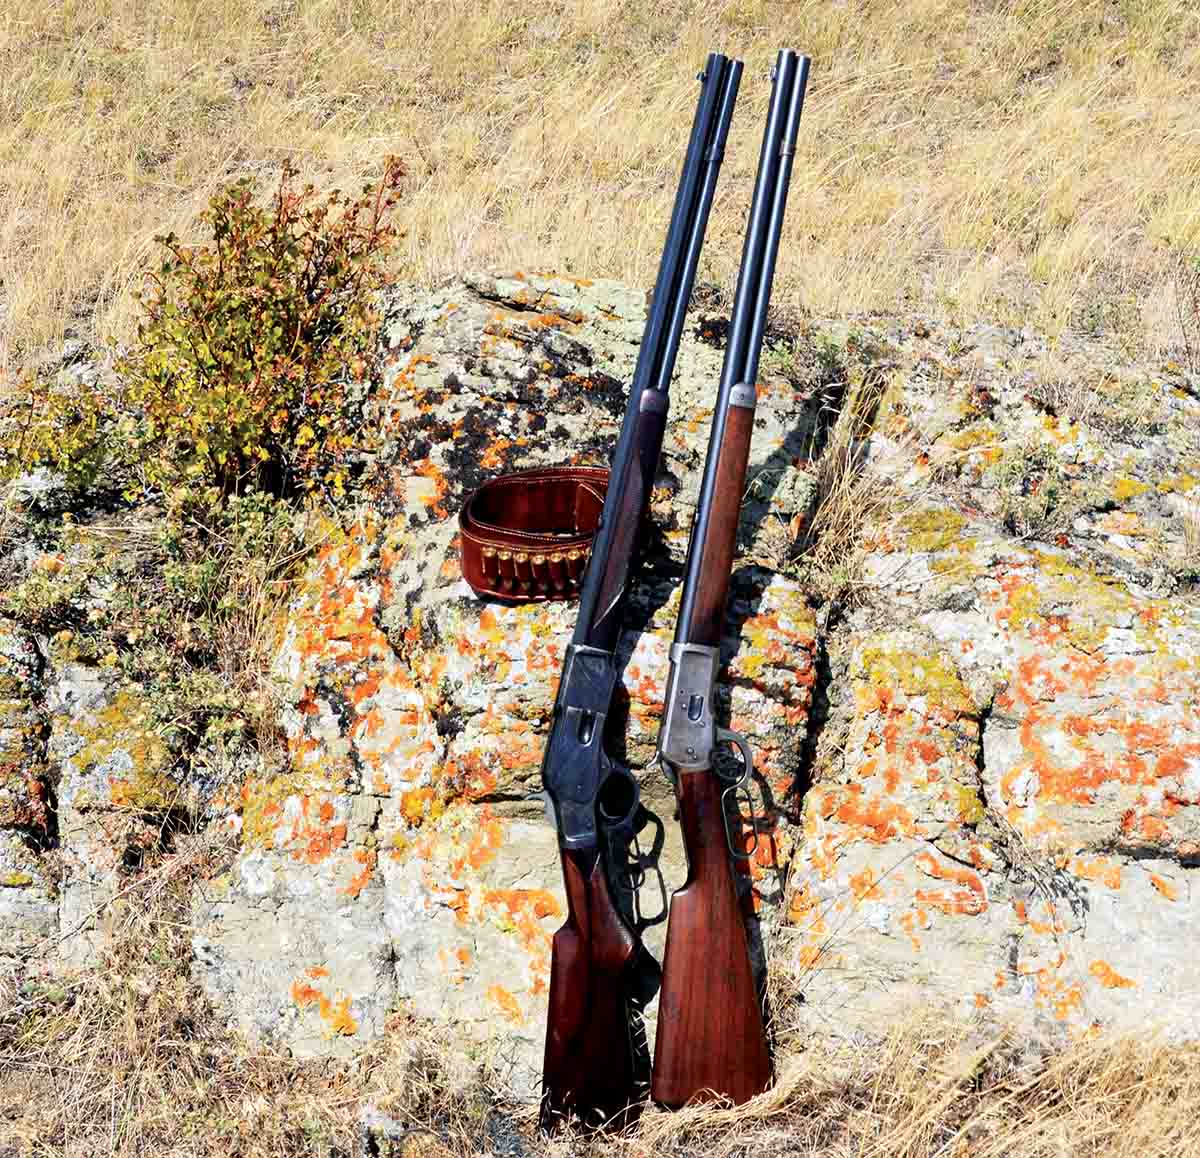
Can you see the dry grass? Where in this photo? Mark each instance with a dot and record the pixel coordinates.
(848, 501)
(1186, 563)
(929, 1089)
(1187, 307)
(129, 1060)
(1020, 158)
(1067, 391)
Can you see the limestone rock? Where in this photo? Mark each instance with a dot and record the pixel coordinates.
(28, 900)
(977, 784)
(114, 796)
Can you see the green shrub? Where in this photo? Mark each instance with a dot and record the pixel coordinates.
(252, 359)
(62, 425)
(254, 352)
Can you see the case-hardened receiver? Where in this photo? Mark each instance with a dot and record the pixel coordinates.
(689, 735)
(586, 787)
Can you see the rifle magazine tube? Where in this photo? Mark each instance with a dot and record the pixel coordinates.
(775, 223)
(713, 157)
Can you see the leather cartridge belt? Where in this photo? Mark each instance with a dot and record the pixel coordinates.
(527, 536)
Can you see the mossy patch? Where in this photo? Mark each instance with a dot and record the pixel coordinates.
(932, 530)
(973, 437)
(263, 799)
(969, 805)
(1125, 489)
(119, 740)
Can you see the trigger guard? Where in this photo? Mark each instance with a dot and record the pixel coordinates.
(727, 736)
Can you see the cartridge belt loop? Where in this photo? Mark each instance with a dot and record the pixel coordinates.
(526, 537)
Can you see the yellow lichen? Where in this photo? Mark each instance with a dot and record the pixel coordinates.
(263, 799)
(970, 806)
(1129, 488)
(932, 530)
(931, 675)
(972, 437)
(123, 729)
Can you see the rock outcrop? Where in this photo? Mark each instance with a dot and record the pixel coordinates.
(405, 857)
(977, 735)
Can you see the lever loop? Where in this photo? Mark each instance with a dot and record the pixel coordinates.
(740, 791)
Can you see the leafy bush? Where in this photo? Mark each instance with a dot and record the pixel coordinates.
(62, 425)
(252, 358)
(254, 352)
(240, 401)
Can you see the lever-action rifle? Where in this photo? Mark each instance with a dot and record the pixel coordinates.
(710, 1026)
(589, 1063)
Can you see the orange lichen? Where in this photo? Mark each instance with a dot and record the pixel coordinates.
(913, 920)
(366, 858)
(1055, 925)
(804, 908)
(523, 910)
(863, 885)
(970, 901)
(1165, 887)
(506, 1002)
(1063, 997)
(482, 846)
(1101, 869)
(876, 819)
(1109, 977)
(339, 1021)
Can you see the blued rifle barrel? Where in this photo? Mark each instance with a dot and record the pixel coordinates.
(750, 304)
(783, 179)
(713, 158)
(598, 626)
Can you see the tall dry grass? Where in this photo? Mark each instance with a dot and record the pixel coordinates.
(1017, 158)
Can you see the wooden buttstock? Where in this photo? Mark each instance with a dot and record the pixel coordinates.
(711, 1040)
(589, 1062)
